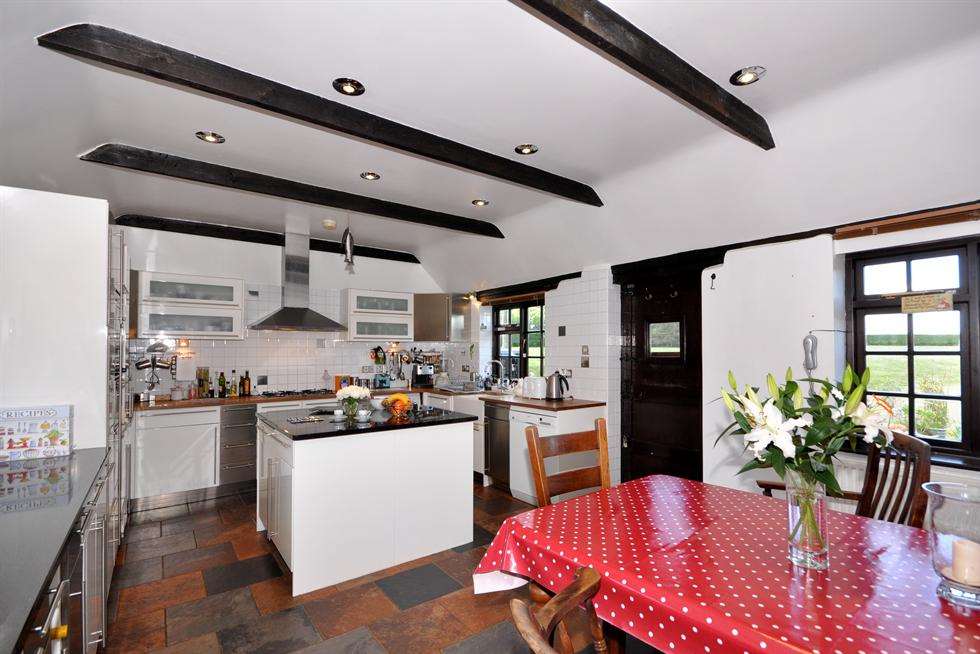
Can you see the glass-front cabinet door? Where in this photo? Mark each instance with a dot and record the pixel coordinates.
(166, 320)
(380, 328)
(380, 302)
(173, 288)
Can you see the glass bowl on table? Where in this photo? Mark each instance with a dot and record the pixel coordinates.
(398, 405)
(953, 523)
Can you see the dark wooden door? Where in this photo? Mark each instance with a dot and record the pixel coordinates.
(661, 373)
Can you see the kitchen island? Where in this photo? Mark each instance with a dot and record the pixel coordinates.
(344, 499)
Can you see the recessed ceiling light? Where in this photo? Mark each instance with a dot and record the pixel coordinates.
(210, 137)
(746, 76)
(480, 202)
(329, 224)
(526, 148)
(370, 176)
(348, 86)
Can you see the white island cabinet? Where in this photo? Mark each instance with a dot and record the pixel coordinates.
(340, 501)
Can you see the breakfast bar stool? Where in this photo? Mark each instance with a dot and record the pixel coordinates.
(563, 482)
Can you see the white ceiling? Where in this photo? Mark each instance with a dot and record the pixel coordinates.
(491, 75)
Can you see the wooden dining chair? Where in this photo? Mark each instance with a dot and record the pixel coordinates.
(893, 481)
(537, 627)
(541, 448)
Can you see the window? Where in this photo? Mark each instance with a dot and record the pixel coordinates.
(664, 340)
(518, 338)
(920, 362)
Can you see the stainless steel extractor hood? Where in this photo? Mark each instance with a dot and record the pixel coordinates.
(295, 314)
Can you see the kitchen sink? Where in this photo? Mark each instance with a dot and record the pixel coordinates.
(459, 388)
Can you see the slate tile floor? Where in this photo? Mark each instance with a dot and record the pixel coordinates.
(198, 579)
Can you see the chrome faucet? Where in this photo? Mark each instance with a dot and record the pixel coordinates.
(489, 368)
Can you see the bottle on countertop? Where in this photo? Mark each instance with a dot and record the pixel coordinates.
(222, 385)
(247, 383)
(233, 387)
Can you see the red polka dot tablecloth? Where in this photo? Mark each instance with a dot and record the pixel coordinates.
(690, 567)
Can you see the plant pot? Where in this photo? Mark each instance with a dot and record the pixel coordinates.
(806, 502)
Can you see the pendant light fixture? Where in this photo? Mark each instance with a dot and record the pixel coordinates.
(348, 242)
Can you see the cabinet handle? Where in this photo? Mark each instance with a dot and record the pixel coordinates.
(240, 465)
(249, 444)
(45, 627)
(243, 424)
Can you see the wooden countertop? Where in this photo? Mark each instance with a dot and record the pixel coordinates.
(259, 399)
(545, 405)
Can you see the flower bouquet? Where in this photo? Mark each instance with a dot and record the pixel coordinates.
(350, 398)
(798, 437)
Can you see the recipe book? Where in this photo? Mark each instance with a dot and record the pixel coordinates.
(35, 432)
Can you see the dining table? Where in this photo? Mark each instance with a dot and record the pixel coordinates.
(692, 567)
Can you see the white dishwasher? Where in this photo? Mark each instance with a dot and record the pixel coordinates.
(521, 479)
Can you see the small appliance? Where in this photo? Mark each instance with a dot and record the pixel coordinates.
(557, 385)
(535, 388)
(423, 374)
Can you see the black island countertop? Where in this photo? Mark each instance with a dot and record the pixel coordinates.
(35, 526)
(379, 421)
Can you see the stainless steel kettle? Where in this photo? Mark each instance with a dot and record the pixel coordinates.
(557, 385)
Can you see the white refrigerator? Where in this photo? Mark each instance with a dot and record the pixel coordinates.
(54, 259)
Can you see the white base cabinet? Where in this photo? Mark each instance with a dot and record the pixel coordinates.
(175, 450)
(549, 423)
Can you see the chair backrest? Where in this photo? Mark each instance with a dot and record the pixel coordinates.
(893, 481)
(541, 448)
(536, 629)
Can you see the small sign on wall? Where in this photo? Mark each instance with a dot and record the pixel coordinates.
(35, 432)
(927, 302)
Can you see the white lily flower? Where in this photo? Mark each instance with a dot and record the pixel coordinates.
(875, 420)
(774, 429)
(837, 394)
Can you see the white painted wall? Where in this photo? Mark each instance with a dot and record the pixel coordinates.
(262, 264)
(54, 252)
(589, 309)
(765, 300)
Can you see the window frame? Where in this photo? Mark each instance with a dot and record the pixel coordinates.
(966, 453)
(522, 330)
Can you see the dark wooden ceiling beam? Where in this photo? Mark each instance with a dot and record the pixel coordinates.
(228, 232)
(159, 163)
(603, 28)
(115, 48)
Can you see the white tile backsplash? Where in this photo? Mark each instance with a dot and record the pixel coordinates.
(589, 309)
(293, 360)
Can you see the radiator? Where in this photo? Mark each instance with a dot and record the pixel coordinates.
(850, 476)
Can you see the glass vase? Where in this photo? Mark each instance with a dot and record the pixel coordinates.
(953, 523)
(350, 407)
(806, 501)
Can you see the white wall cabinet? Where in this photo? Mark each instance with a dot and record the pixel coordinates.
(190, 306)
(379, 315)
(175, 451)
(172, 288)
(383, 302)
(372, 327)
(188, 321)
